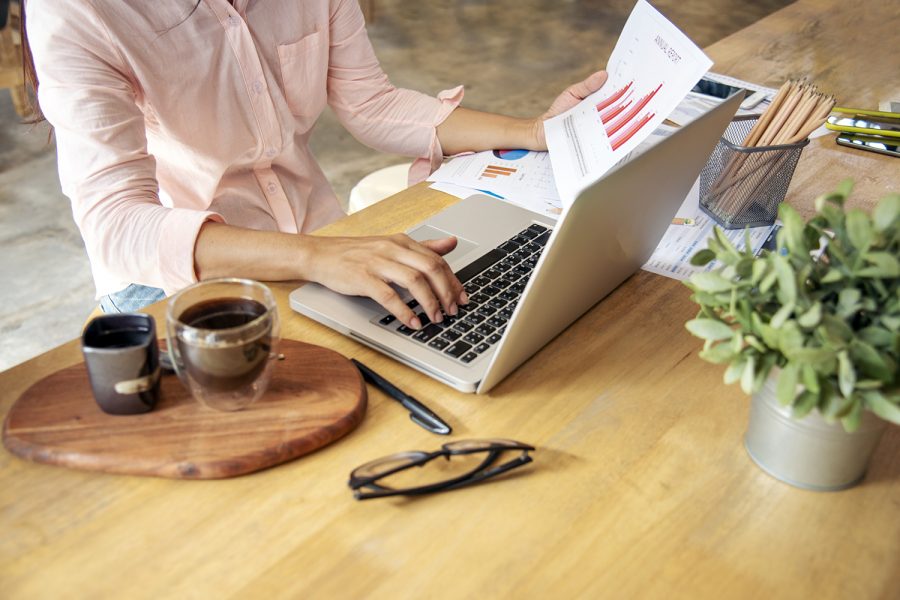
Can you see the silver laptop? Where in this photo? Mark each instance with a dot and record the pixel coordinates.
(527, 276)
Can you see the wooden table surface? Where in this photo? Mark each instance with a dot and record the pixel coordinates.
(640, 484)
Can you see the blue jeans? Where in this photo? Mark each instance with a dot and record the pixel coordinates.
(131, 299)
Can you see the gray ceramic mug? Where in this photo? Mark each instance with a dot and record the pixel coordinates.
(122, 360)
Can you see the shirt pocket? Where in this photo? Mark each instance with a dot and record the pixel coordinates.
(304, 71)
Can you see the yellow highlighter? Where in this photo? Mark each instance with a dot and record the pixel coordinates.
(872, 122)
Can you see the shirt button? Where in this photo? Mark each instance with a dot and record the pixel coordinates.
(272, 188)
(258, 87)
(233, 21)
(271, 152)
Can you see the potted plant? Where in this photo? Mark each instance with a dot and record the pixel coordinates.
(812, 334)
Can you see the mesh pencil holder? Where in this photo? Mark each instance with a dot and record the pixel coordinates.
(743, 186)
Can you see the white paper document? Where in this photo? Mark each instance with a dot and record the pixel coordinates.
(522, 177)
(688, 233)
(651, 69)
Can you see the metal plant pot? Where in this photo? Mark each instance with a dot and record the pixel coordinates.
(808, 453)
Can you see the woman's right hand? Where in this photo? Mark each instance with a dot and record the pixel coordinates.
(366, 266)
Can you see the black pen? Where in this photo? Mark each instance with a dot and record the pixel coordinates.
(418, 412)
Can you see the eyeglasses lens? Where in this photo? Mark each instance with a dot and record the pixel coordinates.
(480, 445)
(434, 471)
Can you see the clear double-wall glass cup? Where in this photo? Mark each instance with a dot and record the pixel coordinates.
(222, 336)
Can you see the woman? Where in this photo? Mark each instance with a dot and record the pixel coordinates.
(182, 130)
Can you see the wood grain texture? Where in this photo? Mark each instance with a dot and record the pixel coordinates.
(315, 397)
(640, 486)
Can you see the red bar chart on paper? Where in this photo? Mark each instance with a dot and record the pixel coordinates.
(624, 118)
(651, 69)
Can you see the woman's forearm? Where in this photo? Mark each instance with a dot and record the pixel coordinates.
(226, 251)
(468, 130)
(360, 266)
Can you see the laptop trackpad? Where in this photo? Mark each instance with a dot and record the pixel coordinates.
(427, 232)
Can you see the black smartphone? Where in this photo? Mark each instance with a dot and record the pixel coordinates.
(716, 89)
(882, 145)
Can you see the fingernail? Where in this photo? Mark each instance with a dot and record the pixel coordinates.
(438, 317)
(453, 309)
(463, 298)
(415, 323)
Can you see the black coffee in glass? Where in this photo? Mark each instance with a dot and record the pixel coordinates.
(224, 363)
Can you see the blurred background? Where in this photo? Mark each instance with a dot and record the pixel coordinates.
(513, 56)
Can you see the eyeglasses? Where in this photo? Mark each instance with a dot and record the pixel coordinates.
(390, 476)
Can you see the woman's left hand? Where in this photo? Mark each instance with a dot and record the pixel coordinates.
(573, 94)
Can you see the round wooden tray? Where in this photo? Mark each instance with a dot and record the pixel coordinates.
(315, 397)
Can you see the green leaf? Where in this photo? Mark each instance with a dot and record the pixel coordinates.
(868, 384)
(878, 337)
(810, 379)
(769, 335)
(884, 265)
(748, 376)
(859, 229)
(744, 267)
(726, 244)
(821, 359)
(763, 370)
(790, 338)
(718, 354)
(793, 229)
(871, 361)
(703, 257)
(804, 404)
(844, 188)
(892, 323)
(848, 301)
(709, 329)
(835, 407)
(755, 342)
(832, 276)
(886, 212)
(710, 282)
(768, 281)
(737, 342)
(759, 270)
(787, 286)
(882, 407)
(846, 374)
(811, 318)
(782, 315)
(734, 370)
(852, 419)
(833, 215)
(835, 331)
(786, 387)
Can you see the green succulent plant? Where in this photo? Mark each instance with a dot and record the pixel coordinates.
(828, 319)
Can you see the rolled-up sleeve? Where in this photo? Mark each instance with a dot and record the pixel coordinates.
(88, 95)
(378, 114)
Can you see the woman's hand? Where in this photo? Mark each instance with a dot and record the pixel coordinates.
(361, 266)
(366, 266)
(573, 94)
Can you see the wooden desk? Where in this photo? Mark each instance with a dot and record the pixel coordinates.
(640, 485)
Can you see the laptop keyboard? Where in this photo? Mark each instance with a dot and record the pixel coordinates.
(494, 284)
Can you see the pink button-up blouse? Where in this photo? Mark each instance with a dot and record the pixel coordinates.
(166, 118)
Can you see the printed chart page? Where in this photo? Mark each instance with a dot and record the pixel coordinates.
(653, 66)
(522, 177)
